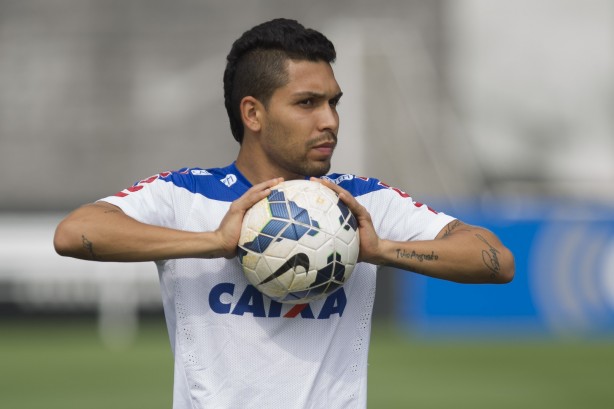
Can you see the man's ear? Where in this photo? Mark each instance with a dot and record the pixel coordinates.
(251, 113)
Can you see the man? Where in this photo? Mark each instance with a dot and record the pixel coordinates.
(281, 96)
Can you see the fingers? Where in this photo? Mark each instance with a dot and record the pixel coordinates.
(369, 240)
(343, 194)
(257, 193)
(333, 186)
(229, 229)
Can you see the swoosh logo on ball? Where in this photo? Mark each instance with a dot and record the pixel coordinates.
(299, 259)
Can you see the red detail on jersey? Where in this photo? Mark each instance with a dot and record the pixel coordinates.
(405, 195)
(153, 178)
(149, 179)
(139, 186)
(131, 189)
(418, 204)
(296, 310)
(134, 188)
(362, 178)
(399, 191)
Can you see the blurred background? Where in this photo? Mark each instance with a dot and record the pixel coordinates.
(498, 112)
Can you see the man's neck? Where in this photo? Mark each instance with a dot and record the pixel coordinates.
(256, 167)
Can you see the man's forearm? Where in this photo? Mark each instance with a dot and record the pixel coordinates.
(469, 255)
(102, 232)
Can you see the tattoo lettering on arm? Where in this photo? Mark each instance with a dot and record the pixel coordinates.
(452, 226)
(106, 208)
(490, 257)
(401, 254)
(89, 247)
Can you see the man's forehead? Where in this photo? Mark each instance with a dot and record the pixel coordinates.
(316, 77)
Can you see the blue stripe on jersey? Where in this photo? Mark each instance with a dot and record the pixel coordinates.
(223, 184)
(357, 186)
(228, 184)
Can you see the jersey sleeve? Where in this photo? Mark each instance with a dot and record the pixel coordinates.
(148, 201)
(395, 214)
(403, 219)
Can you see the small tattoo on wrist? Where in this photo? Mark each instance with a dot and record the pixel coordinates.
(416, 256)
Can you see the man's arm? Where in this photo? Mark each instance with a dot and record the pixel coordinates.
(102, 232)
(460, 252)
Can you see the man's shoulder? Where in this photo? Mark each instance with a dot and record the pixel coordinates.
(356, 185)
(220, 183)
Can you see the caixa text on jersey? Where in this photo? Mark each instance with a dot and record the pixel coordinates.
(225, 299)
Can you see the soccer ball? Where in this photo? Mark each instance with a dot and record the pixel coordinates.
(299, 244)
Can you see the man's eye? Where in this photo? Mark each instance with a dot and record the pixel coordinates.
(334, 102)
(306, 102)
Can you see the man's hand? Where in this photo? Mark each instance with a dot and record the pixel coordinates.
(229, 231)
(369, 240)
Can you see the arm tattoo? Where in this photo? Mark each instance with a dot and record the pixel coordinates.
(106, 209)
(89, 247)
(490, 257)
(451, 227)
(417, 256)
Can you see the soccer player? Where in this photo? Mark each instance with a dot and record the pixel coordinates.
(234, 347)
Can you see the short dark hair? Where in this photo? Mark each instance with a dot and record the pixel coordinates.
(256, 64)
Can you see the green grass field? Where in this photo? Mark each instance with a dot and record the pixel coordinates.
(64, 365)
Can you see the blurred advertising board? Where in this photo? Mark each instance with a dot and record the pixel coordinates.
(564, 283)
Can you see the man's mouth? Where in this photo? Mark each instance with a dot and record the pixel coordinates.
(325, 148)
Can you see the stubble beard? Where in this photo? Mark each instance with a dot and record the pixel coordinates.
(318, 168)
(301, 165)
(305, 167)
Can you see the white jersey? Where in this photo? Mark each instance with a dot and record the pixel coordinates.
(235, 348)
